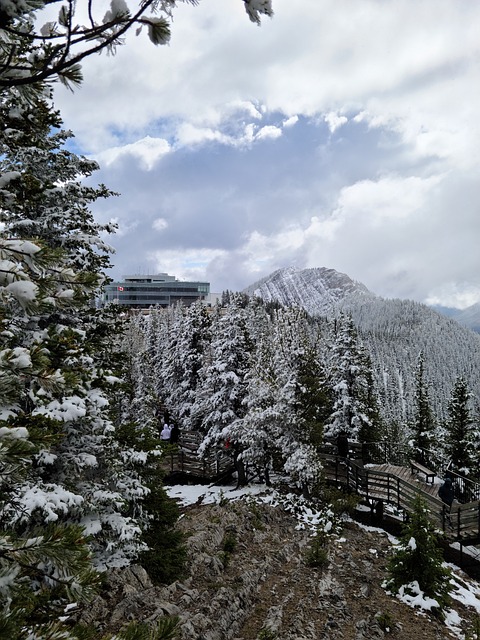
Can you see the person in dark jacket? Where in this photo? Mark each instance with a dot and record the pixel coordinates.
(174, 433)
(447, 492)
(342, 444)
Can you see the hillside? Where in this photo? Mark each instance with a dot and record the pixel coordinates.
(264, 583)
(394, 332)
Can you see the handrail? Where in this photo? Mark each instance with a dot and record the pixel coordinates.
(394, 452)
(462, 522)
(466, 490)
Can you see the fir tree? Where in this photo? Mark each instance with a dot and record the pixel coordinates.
(423, 428)
(417, 564)
(459, 437)
(313, 394)
(45, 563)
(71, 496)
(67, 371)
(184, 362)
(224, 383)
(355, 409)
(286, 400)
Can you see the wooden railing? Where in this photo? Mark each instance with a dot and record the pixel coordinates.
(185, 458)
(462, 523)
(379, 452)
(466, 490)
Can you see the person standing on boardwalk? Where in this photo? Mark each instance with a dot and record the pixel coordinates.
(165, 433)
(447, 492)
(174, 433)
(342, 444)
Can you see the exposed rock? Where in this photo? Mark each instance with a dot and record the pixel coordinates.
(265, 584)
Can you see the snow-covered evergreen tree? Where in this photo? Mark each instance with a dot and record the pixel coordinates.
(416, 568)
(44, 200)
(58, 374)
(285, 400)
(183, 363)
(224, 381)
(140, 402)
(41, 550)
(302, 398)
(423, 426)
(355, 406)
(460, 433)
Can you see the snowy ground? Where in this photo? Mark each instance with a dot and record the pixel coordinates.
(192, 493)
(464, 589)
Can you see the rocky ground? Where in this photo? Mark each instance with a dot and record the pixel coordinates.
(248, 580)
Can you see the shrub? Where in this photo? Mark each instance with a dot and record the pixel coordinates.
(341, 502)
(385, 621)
(229, 542)
(266, 634)
(317, 554)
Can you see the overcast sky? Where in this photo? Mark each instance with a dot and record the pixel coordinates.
(340, 134)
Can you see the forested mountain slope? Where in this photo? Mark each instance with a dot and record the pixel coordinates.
(394, 331)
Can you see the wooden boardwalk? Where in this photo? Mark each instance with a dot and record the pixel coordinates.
(388, 483)
(398, 486)
(185, 459)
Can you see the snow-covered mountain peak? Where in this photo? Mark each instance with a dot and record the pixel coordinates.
(317, 289)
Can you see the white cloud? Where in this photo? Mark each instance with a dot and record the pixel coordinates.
(260, 249)
(246, 106)
(147, 150)
(289, 122)
(160, 224)
(268, 132)
(456, 295)
(188, 134)
(335, 121)
(189, 264)
(390, 200)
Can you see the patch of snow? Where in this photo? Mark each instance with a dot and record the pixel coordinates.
(14, 432)
(191, 494)
(23, 290)
(52, 500)
(412, 595)
(6, 177)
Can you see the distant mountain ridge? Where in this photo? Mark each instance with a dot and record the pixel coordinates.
(469, 317)
(317, 290)
(394, 332)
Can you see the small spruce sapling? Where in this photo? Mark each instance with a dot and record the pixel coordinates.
(418, 559)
